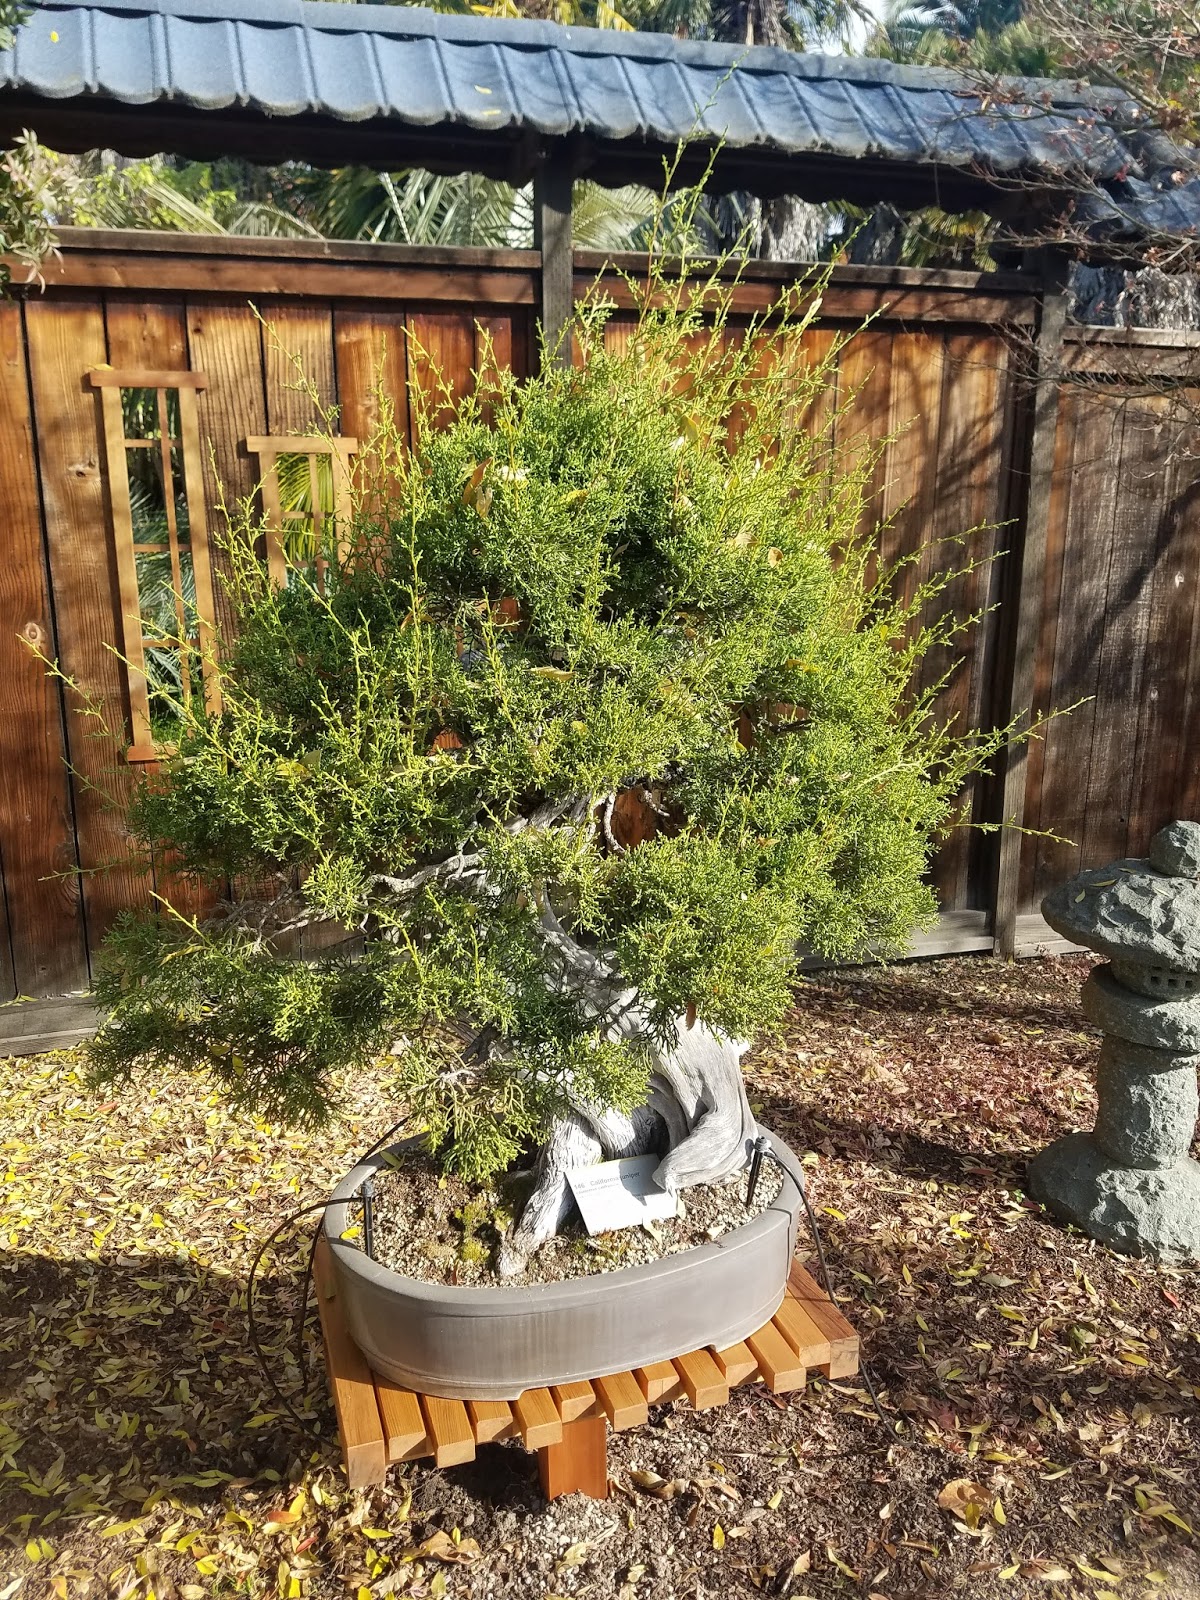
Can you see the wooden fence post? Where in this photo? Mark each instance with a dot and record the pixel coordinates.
(1025, 597)
(552, 237)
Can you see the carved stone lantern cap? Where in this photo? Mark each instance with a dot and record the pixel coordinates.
(1143, 912)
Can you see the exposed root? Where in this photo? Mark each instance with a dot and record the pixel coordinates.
(697, 1110)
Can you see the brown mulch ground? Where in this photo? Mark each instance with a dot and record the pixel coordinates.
(1048, 1392)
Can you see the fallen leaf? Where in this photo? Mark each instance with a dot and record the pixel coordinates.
(967, 1500)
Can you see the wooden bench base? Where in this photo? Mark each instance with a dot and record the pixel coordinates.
(379, 1422)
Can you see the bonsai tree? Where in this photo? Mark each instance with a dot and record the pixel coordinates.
(604, 714)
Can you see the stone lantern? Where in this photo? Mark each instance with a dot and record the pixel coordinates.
(1130, 1182)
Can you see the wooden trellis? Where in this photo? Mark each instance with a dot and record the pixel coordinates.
(191, 632)
(280, 517)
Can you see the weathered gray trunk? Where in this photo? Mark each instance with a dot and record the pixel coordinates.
(696, 1114)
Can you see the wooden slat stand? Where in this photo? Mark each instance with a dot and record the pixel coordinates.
(379, 1422)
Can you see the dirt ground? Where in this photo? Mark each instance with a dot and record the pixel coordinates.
(1047, 1393)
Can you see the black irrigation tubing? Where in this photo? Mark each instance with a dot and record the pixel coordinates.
(888, 1425)
(305, 1426)
(300, 1315)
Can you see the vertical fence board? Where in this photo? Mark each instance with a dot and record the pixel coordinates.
(914, 422)
(1099, 435)
(371, 359)
(966, 495)
(298, 362)
(1162, 759)
(441, 354)
(817, 415)
(66, 337)
(1137, 524)
(37, 834)
(864, 398)
(496, 350)
(8, 979)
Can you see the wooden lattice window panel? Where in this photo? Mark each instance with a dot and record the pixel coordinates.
(160, 531)
(305, 484)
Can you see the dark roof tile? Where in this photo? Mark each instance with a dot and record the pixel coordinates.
(400, 65)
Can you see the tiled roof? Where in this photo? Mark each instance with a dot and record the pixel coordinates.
(479, 82)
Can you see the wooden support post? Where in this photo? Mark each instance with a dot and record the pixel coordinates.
(1025, 594)
(552, 237)
(579, 1464)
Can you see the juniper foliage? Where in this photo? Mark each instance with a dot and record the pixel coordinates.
(609, 642)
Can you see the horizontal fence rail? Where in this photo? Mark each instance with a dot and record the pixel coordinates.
(944, 369)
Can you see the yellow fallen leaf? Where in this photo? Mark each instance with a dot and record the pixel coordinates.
(1093, 1572)
(998, 1513)
(718, 1537)
(575, 1554)
(776, 1499)
(441, 1547)
(966, 1500)
(1168, 1514)
(841, 1565)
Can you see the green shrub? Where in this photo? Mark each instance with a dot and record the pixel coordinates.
(635, 586)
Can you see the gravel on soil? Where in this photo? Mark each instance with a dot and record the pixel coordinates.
(439, 1229)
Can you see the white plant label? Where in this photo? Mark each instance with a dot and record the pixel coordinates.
(620, 1194)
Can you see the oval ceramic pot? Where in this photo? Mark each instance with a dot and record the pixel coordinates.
(494, 1343)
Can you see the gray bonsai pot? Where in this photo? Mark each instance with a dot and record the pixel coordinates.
(492, 1344)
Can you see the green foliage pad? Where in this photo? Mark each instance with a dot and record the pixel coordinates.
(605, 650)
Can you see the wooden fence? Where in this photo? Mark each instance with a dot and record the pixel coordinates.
(938, 371)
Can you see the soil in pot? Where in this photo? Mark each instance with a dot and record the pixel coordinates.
(434, 1227)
